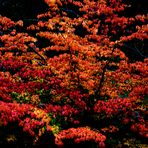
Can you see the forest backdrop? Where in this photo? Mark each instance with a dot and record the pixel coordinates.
(73, 73)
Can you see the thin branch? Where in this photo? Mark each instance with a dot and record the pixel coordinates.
(33, 49)
(98, 90)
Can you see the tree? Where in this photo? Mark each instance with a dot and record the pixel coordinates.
(71, 73)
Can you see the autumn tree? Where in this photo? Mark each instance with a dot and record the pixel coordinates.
(79, 72)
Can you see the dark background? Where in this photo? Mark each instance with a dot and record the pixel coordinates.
(19, 9)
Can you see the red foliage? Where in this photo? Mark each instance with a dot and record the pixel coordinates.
(72, 66)
(26, 116)
(80, 134)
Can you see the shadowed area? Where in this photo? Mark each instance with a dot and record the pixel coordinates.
(21, 9)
